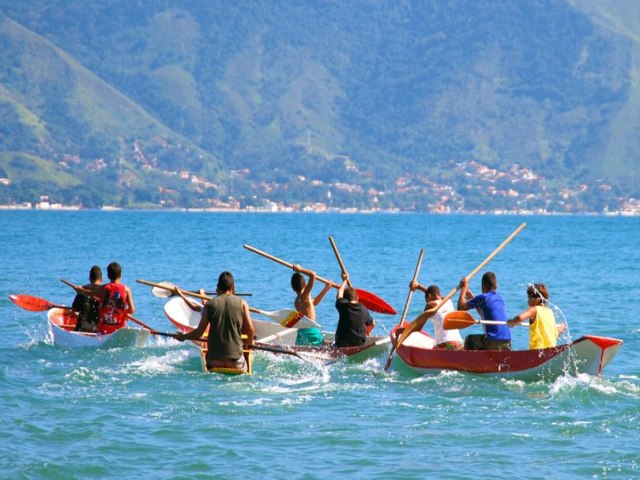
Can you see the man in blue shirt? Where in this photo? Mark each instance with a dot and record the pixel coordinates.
(490, 305)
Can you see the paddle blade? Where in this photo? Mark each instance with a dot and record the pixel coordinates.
(457, 320)
(31, 303)
(374, 303)
(164, 290)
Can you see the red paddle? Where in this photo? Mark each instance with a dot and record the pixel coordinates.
(34, 304)
(368, 299)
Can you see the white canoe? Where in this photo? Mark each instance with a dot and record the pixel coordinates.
(63, 321)
(271, 333)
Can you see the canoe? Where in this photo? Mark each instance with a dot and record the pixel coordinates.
(248, 356)
(271, 333)
(588, 354)
(63, 321)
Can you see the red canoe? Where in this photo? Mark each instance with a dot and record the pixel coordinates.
(589, 354)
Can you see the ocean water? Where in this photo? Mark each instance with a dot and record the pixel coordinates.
(151, 412)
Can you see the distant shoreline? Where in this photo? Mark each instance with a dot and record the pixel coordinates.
(341, 211)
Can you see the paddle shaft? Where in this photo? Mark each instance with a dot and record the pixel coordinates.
(419, 322)
(340, 262)
(167, 287)
(287, 264)
(410, 295)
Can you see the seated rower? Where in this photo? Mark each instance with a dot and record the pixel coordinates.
(354, 318)
(306, 304)
(543, 330)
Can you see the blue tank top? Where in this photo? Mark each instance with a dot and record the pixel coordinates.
(492, 307)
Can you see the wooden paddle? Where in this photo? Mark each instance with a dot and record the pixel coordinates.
(459, 319)
(421, 319)
(168, 289)
(285, 317)
(410, 295)
(34, 304)
(368, 299)
(256, 346)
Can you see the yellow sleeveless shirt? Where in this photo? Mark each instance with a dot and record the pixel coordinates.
(542, 332)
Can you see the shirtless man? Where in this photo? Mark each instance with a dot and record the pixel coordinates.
(306, 305)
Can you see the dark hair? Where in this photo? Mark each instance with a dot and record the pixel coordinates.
(225, 282)
(114, 271)
(539, 292)
(433, 290)
(297, 282)
(95, 274)
(490, 281)
(350, 294)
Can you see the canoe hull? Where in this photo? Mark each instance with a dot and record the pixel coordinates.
(589, 354)
(61, 325)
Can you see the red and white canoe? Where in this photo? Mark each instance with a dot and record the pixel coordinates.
(588, 354)
(63, 321)
(271, 333)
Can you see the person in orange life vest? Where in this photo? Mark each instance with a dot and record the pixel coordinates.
(116, 301)
(543, 330)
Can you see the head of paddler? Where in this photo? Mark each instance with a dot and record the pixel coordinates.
(226, 284)
(489, 282)
(351, 294)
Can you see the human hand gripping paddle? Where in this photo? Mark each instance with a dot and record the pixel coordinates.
(368, 299)
(285, 317)
(421, 319)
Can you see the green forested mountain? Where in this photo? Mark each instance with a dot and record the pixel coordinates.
(107, 102)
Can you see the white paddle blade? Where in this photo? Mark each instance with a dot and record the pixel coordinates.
(164, 290)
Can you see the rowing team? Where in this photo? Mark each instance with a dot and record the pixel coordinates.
(104, 308)
(544, 331)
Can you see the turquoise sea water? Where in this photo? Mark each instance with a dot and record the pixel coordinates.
(151, 412)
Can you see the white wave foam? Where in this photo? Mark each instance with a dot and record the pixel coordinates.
(163, 364)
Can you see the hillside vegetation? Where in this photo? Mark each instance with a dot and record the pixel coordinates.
(209, 103)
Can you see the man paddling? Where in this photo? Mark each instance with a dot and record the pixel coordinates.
(87, 307)
(115, 298)
(354, 319)
(306, 304)
(490, 305)
(228, 318)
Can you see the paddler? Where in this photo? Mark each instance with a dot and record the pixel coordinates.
(543, 330)
(228, 318)
(115, 298)
(354, 319)
(87, 307)
(445, 339)
(491, 306)
(305, 304)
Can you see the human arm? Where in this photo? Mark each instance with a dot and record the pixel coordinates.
(196, 333)
(130, 303)
(413, 286)
(343, 285)
(321, 295)
(190, 303)
(247, 323)
(528, 314)
(465, 293)
(306, 292)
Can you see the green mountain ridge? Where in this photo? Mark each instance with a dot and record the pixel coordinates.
(359, 93)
